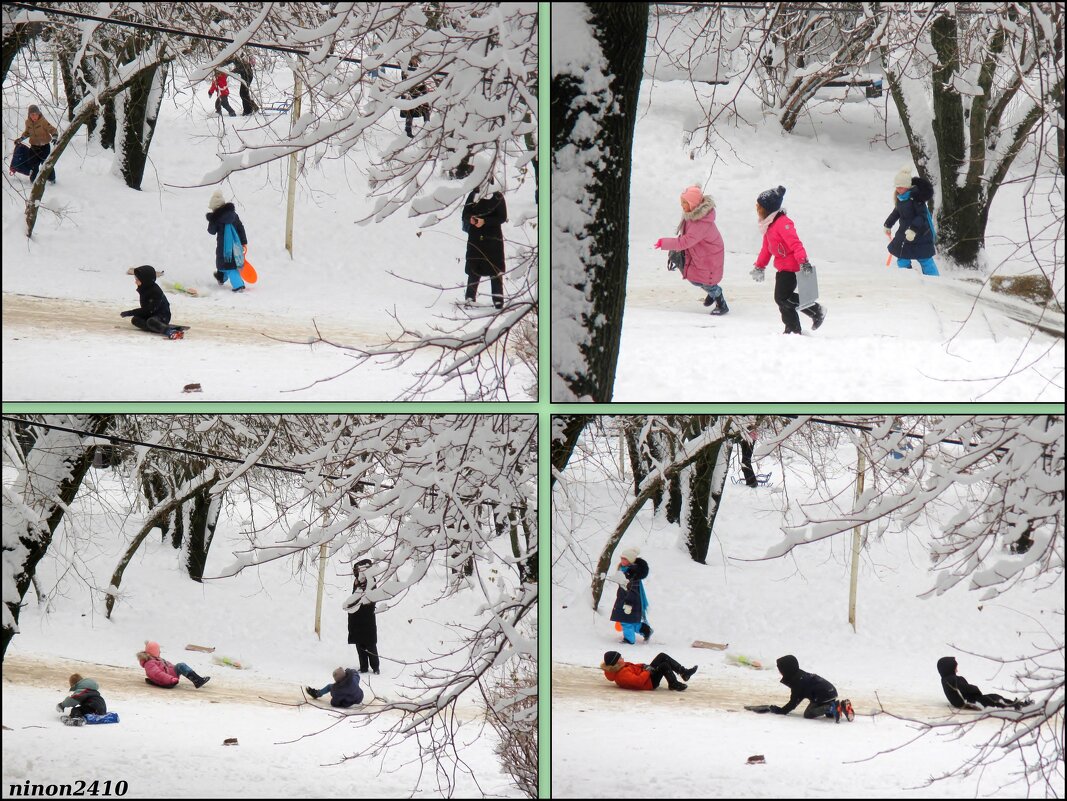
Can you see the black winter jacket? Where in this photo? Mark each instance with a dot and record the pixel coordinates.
(912, 214)
(485, 245)
(217, 221)
(957, 690)
(153, 302)
(803, 684)
(362, 626)
(630, 594)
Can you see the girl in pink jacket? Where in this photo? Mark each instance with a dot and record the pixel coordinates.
(160, 672)
(702, 243)
(781, 241)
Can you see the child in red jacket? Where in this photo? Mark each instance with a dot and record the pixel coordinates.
(161, 673)
(218, 84)
(781, 241)
(634, 676)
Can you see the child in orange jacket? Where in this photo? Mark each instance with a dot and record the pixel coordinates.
(634, 676)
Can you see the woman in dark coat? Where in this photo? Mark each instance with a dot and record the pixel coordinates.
(915, 236)
(362, 626)
(484, 215)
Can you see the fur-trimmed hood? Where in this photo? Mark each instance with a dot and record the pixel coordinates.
(699, 212)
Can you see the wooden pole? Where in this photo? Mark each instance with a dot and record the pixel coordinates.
(291, 201)
(318, 595)
(856, 531)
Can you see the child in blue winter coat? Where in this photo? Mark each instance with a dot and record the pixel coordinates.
(222, 214)
(344, 690)
(630, 600)
(915, 236)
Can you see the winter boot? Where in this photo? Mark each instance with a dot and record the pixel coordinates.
(846, 710)
(722, 308)
(239, 289)
(220, 277)
(70, 720)
(198, 681)
(835, 712)
(646, 631)
(674, 684)
(312, 692)
(708, 300)
(819, 317)
(175, 333)
(688, 674)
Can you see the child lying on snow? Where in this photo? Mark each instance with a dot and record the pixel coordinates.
(966, 696)
(633, 676)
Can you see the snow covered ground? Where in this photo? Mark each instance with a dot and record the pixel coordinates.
(890, 334)
(611, 743)
(168, 743)
(64, 289)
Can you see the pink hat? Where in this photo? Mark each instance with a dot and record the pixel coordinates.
(693, 195)
(151, 648)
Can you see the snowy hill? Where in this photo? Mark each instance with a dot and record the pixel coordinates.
(663, 744)
(890, 334)
(65, 287)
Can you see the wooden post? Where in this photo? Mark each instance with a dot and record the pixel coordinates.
(291, 201)
(860, 469)
(318, 595)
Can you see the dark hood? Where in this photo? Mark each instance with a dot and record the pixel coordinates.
(921, 190)
(223, 214)
(946, 666)
(788, 666)
(638, 570)
(146, 273)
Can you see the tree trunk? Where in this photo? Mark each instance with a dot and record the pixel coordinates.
(15, 38)
(142, 101)
(202, 521)
(46, 487)
(706, 481)
(588, 293)
(563, 443)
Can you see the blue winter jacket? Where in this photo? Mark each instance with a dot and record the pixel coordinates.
(217, 221)
(347, 691)
(913, 214)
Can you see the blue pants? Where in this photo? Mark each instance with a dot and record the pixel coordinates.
(630, 631)
(714, 291)
(183, 669)
(234, 277)
(929, 268)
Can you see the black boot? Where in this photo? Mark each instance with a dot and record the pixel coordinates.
(721, 308)
(674, 684)
(688, 674)
(312, 692)
(220, 277)
(708, 300)
(197, 680)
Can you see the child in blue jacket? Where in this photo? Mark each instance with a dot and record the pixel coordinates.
(915, 236)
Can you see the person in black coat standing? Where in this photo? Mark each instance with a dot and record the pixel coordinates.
(362, 625)
(820, 694)
(966, 696)
(630, 599)
(484, 215)
(154, 312)
(915, 236)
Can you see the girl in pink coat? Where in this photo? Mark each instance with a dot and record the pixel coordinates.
(702, 243)
(160, 672)
(781, 241)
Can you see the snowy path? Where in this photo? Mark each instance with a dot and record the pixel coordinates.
(72, 316)
(729, 690)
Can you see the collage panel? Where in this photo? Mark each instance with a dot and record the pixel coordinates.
(783, 605)
(271, 202)
(270, 605)
(777, 202)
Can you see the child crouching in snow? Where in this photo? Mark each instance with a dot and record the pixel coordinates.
(634, 676)
(781, 241)
(915, 236)
(820, 694)
(84, 698)
(154, 312)
(702, 243)
(162, 673)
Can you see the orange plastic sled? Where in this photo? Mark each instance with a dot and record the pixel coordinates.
(248, 273)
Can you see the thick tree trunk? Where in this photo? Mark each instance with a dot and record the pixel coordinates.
(142, 101)
(563, 443)
(15, 38)
(585, 369)
(202, 521)
(46, 487)
(706, 482)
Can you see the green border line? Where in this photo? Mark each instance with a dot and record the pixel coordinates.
(544, 408)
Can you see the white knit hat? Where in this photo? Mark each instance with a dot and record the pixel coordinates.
(630, 554)
(902, 178)
(218, 200)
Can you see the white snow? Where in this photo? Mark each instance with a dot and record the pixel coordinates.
(889, 333)
(613, 743)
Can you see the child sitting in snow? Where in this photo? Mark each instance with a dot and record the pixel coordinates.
(84, 698)
(154, 312)
(162, 673)
(344, 690)
(915, 236)
(821, 694)
(966, 696)
(781, 241)
(699, 239)
(634, 676)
